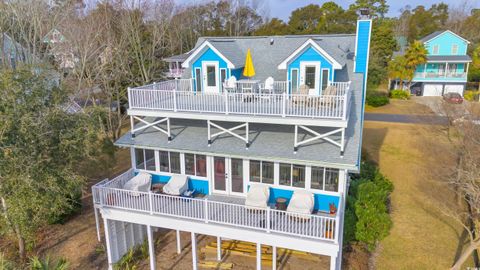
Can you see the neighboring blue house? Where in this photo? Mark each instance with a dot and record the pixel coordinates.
(268, 157)
(447, 66)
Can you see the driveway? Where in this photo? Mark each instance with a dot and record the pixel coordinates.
(437, 105)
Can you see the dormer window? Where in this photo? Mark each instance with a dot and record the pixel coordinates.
(435, 49)
(454, 49)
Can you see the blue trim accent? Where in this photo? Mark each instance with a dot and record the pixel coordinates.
(322, 201)
(362, 46)
(200, 185)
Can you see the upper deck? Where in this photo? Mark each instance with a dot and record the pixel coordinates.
(252, 102)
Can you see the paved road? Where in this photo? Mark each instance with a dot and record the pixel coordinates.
(405, 118)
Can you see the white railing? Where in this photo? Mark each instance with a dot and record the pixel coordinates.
(322, 227)
(440, 75)
(175, 72)
(176, 96)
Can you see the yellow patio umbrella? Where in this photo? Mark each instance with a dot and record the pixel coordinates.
(248, 69)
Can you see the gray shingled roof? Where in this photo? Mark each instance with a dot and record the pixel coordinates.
(267, 57)
(268, 141)
(463, 58)
(178, 57)
(432, 35)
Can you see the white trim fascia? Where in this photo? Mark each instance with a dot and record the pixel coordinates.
(335, 64)
(186, 63)
(428, 40)
(449, 61)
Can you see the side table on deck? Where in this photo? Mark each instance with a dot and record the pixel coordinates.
(281, 203)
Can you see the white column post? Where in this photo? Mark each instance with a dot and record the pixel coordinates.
(168, 130)
(259, 256)
(133, 158)
(194, 252)
(445, 70)
(246, 135)
(179, 243)
(296, 139)
(425, 71)
(209, 133)
(274, 257)
(97, 223)
(151, 247)
(466, 70)
(219, 248)
(132, 125)
(333, 263)
(107, 242)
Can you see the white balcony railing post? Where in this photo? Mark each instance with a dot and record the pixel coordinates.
(129, 90)
(226, 101)
(268, 219)
(100, 193)
(284, 104)
(337, 219)
(174, 99)
(206, 209)
(150, 202)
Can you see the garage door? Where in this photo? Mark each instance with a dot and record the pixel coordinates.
(431, 90)
(455, 88)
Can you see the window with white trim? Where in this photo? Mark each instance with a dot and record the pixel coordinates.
(169, 162)
(145, 159)
(454, 49)
(435, 49)
(196, 165)
(292, 175)
(324, 179)
(261, 171)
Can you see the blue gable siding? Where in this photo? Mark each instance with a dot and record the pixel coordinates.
(445, 41)
(209, 55)
(362, 45)
(310, 54)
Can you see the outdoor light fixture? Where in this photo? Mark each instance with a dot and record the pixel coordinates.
(364, 12)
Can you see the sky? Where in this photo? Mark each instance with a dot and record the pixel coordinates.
(282, 8)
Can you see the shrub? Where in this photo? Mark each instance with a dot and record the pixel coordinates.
(399, 94)
(472, 95)
(366, 214)
(37, 263)
(377, 99)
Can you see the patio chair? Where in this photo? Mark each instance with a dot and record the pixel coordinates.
(301, 96)
(257, 196)
(141, 182)
(230, 84)
(329, 96)
(177, 185)
(301, 204)
(268, 88)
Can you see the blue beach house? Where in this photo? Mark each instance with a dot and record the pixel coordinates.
(446, 68)
(267, 157)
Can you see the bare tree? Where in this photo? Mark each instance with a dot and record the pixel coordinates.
(458, 168)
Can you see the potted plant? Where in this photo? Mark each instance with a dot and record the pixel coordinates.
(333, 208)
